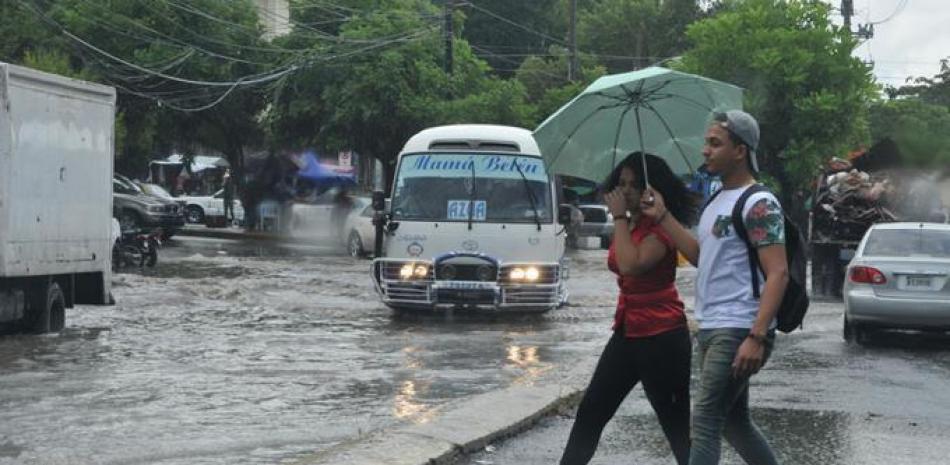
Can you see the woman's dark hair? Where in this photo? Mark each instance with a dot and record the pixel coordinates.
(681, 202)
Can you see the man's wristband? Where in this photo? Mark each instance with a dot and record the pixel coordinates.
(757, 337)
(622, 217)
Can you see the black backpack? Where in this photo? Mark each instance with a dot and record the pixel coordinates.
(794, 304)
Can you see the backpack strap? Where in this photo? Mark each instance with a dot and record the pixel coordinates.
(738, 224)
(708, 201)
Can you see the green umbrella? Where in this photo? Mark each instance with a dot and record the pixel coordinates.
(655, 110)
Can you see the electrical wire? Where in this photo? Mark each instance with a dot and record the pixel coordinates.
(513, 23)
(897, 11)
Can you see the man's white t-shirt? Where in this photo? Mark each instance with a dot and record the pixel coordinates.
(724, 297)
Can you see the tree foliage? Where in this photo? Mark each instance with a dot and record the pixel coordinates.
(921, 130)
(808, 92)
(632, 34)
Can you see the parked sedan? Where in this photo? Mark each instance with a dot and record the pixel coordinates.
(197, 207)
(898, 279)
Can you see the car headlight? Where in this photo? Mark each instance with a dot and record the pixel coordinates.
(156, 208)
(516, 274)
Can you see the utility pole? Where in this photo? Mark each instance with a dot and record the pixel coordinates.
(572, 65)
(449, 35)
(847, 10)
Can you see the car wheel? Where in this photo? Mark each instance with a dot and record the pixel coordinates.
(354, 245)
(194, 214)
(848, 330)
(128, 220)
(605, 242)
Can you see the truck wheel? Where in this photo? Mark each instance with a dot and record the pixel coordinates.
(194, 214)
(48, 310)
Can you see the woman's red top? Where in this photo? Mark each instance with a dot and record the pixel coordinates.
(648, 304)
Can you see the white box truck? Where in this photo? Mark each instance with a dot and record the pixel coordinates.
(56, 152)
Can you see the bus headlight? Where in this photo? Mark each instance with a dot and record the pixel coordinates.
(406, 271)
(531, 274)
(414, 271)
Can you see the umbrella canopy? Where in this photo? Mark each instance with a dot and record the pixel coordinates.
(321, 175)
(656, 110)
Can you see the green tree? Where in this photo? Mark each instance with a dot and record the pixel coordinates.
(809, 94)
(375, 99)
(921, 130)
(632, 34)
(504, 33)
(935, 90)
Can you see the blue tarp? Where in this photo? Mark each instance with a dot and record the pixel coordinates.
(322, 176)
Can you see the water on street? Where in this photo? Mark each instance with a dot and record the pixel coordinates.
(239, 352)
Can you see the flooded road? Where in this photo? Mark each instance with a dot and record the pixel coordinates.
(240, 353)
(818, 400)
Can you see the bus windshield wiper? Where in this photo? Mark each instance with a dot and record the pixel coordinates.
(527, 188)
(471, 195)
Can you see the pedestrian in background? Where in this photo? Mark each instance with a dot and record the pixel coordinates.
(228, 188)
(342, 205)
(736, 330)
(651, 340)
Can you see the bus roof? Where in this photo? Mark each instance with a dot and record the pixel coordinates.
(473, 137)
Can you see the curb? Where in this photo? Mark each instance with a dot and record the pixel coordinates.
(466, 427)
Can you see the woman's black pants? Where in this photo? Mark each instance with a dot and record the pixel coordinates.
(662, 364)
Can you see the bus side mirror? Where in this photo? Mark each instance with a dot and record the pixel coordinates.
(379, 200)
(564, 214)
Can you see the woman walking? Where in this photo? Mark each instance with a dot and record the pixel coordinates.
(650, 341)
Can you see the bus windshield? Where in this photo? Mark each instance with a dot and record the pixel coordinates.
(478, 187)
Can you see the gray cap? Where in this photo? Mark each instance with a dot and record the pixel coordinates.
(743, 126)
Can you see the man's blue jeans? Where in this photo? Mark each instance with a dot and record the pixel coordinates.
(721, 408)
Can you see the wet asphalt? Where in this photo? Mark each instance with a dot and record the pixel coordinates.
(232, 352)
(819, 401)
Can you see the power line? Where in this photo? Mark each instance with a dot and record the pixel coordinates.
(897, 11)
(513, 23)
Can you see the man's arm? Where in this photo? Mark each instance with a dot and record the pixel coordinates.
(765, 226)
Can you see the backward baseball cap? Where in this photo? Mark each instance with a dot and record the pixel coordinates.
(745, 127)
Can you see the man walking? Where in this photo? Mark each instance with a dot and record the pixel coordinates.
(736, 330)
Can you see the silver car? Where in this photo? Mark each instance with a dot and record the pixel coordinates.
(598, 222)
(898, 279)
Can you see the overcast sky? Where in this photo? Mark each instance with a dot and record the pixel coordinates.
(909, 44)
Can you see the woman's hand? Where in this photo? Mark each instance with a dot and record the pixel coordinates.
(616, 203)
(652, 205)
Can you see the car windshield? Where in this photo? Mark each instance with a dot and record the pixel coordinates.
(908, 242)
(440, 187)
(156, 190)
(121, 187)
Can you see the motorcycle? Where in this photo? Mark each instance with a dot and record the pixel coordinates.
(136, 249)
